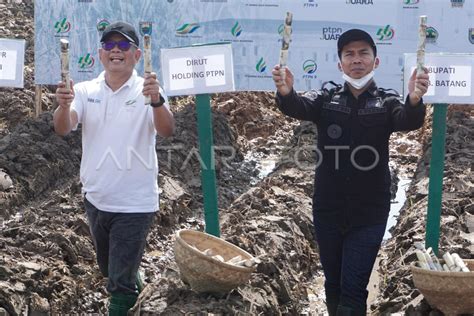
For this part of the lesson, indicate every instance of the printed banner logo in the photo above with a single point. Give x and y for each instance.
(145, 28)
(431, 34)
(62, 26)
(471, 35)
(331, 33)
(261, 66)
(102, 24)
(310, 66)
(236, 30)
(310, 4)
(360, 2)
(457, 3)
(385, 33)
(410, 4)
(281, 28)
(187, 28)
(86, 62)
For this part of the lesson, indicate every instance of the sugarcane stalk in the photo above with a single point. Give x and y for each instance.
(449, 261)
(218, 257)
(420, 52)
(285, 44)
(429, 261)
(235, 259)
(147, 59)
(459, 262)
(208, 252)
(434, 259)
(436, 262)
(422, 259)
(65, 62)
(419, 245)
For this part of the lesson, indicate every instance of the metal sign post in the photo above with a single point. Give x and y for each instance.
(200, 70)
(208, 170)
(435, 190)
(451, 82)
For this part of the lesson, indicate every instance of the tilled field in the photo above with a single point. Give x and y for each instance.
(47, 263)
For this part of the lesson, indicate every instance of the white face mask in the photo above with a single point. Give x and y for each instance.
(358, 83)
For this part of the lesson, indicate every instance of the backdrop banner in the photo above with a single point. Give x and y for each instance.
(254, 27)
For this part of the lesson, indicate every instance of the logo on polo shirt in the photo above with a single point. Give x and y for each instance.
(92, 100)
(130, 105)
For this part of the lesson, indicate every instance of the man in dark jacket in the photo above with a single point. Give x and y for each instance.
(351, 200)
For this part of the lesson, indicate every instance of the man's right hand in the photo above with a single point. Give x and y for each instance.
(284, 84)
(64, 96)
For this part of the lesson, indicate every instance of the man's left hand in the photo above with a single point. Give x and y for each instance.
(151, 87)
(418, 86)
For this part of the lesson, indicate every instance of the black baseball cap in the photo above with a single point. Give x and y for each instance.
(353, 35)
(122, 28)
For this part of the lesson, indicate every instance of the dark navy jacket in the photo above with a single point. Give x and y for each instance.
(352, 182)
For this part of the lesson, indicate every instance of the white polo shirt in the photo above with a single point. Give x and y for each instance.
(119, 167)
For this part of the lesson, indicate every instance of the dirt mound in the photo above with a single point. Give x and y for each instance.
(457, 214)
(272, 221)
(37, 161)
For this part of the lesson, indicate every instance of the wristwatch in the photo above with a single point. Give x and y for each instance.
(159, 103)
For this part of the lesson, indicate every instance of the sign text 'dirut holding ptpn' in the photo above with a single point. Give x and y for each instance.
(197, 69)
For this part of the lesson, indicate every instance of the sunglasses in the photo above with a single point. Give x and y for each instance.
(122, 45)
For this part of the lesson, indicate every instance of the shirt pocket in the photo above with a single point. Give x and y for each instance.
(374, 124)
(335, 123)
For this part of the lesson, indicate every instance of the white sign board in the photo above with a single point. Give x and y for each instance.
(197, 69)
(451, 77)
(12, 58)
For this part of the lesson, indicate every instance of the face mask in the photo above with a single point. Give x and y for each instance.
(358, 83)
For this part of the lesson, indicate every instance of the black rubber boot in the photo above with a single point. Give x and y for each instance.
(139, 282)
(121, 303)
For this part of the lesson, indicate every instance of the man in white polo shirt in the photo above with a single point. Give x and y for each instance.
(119, 166)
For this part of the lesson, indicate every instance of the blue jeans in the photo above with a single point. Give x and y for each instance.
(347, 259)
(119, 241)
